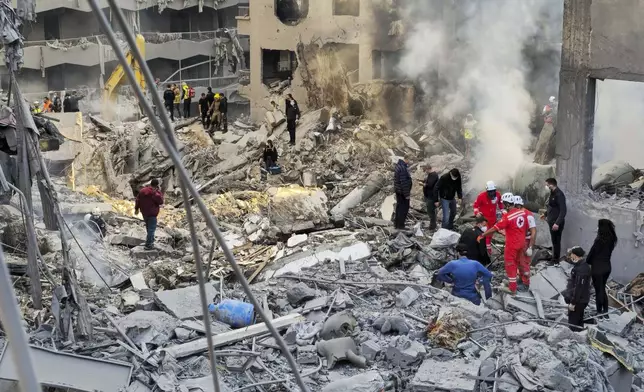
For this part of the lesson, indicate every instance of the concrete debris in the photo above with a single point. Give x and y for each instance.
(387, 324)
(339, 325)
(406, 297)
(403, 352)
(341, 349)
(365, 382)
(617, 324)
(455, 375)
(370, 350)
(300, 293)
(296, 239)
(183, 303)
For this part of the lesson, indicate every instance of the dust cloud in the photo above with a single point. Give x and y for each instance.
(472, 57)
(619, 125)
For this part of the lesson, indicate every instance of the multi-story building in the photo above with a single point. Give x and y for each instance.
(186, 40)
(363, 34)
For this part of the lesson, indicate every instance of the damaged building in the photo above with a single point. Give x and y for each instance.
(327, 53)
(186, 41)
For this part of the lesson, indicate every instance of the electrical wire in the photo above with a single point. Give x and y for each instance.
(167, 139)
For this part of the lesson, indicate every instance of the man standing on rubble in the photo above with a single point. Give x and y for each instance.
(223, 109)
(515, 225)
(168, 100)
(487, 204)
(402, 187)
(428, 192)
(292, 115)
(464, 273)
(187, 94)
(203, 110)
(530, 237)
(577, 293)
(70, 103)
(556, 217)
(149, 201)
(447, 188)
(177, 100)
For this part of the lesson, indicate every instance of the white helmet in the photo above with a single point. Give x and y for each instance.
(518, 200)
(507, 198)
(552, 99)
(490, 186)
(96, 211)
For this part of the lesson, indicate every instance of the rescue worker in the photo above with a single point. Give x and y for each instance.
(46, 106)
(556, 217)
(215, 115)
(292, 115)
(223, 109)
(168, 100)
(177, 100)
(402, 187)
(35, 108)
(487, 204)
(469, 133)
(550, 111)
(464, 273)
(448, 187)
(57, 105)
(203, 109)
(149, 201)
(96, 222)
(476, 250)
(187, 99)
(577, 293)
(530, 237)
(515, 226)
(428, 192)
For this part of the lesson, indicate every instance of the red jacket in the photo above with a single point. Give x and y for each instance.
(148, 201)
(515, 224)
(483, 205)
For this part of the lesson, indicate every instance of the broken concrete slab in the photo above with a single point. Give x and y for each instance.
(365, 382)
(456, 375)
(307, 355)
(227, 151)
(370, 349)
(360, 194)
(296, 239)
(520, 331)
(406, 297)
(184, 303)
(148, 326)
(84, 208)
(542, 287)
(552, 374)
(403, 352)
(556, 276)
(512, 304)
(203, 384)
(387, 207)
(69, 371)
(617, 324)
(299, 293)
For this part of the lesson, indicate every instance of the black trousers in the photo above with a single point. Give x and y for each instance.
(402, 208)
(601, 298)
(555, 236)
(205, 120)
(224, 122)
(186, 107)
(431, 211)
(170, 108)
(290, 126)
(576, 317)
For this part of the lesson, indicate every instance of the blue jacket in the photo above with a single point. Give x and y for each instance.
(402, 179)
(464, 273)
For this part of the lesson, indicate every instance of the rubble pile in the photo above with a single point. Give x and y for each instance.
(354, 299)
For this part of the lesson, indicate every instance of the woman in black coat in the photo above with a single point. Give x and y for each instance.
(599, 260)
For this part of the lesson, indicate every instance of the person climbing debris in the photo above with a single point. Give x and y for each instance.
(464, 274)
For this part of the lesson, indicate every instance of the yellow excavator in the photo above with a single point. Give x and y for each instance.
(118, 75)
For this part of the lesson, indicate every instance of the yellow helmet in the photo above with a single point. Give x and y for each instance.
(217, 96)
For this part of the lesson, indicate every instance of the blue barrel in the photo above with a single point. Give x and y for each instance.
(237, 314)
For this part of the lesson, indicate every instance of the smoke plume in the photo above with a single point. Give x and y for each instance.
(619, 125)
(477, 56)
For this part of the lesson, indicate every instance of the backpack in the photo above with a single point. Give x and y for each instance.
(191, 92)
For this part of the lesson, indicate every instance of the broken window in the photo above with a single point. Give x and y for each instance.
(277, 66)
(51, 24)
(349, 57)
(385, 64)
(346, 7)
(291, 12)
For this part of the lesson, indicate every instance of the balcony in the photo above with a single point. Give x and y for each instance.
(129, 5)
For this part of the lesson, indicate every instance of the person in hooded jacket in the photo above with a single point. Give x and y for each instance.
(577, 293)
(599, 260)
(402, 187)
(447, 188)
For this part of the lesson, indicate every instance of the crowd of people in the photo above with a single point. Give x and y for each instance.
(53, 104)
(506, 215)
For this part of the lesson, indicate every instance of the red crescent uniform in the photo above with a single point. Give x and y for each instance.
(515, 225)
(487, 207)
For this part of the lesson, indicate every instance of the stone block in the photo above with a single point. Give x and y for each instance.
(617, 324)
(182, 334)
(370, 349)
(406, 297)
(300, 293)
(307, 355)
(404, 352)
(456, 375)
(184, 303)
(520, 331)
(146, 304)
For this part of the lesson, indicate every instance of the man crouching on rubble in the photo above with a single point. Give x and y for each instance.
(149, 201)
(464, 274)
(577, 293)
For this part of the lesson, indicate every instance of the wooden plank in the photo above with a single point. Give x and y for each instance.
(226, 338)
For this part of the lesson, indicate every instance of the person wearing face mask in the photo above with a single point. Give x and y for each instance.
(476, 250)
(530, 237)
(556, 217)
(577, 293)
(515, 225)
(486, 205)
(447, 188)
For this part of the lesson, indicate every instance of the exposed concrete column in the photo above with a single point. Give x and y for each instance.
(365, 67)
(575, 118)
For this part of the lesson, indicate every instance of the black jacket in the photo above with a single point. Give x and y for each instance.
(223, 105)
(168, 97)
(556, 207)
(578, 289)
(210, 98)
(270, 153)
(70, 104)
(446, 188)
(430, 183)
(402, 179)
(203, 105)
(475, 250)
(599, 257)
(292, 111)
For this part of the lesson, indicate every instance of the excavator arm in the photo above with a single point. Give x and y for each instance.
(118, 74)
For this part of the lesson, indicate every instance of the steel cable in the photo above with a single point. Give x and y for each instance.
(166, 137)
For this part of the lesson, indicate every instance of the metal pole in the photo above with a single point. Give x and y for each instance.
(209, 70)
(166, 136)
(11, 322)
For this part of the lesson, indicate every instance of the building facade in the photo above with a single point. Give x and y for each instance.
(186, 40)
(361, 33)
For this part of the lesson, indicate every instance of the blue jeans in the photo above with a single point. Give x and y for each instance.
(449, 213)
(151, 227)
